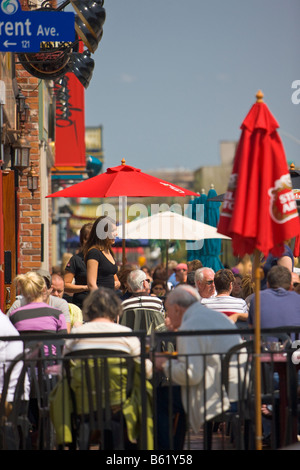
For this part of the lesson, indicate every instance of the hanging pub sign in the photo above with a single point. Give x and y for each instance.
(51, 62)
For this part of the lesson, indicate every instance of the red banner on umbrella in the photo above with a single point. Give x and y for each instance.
(259, 209)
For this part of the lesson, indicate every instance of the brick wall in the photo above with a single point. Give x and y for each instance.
(30, 207)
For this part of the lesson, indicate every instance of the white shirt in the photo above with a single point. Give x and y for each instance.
(206, 373)
(226, 304)
(8, 351)
(125, 344)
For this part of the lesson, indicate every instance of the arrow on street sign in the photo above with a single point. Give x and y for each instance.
(24, 31)
(7, 44)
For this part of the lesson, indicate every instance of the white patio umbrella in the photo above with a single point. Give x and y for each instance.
(170, 226)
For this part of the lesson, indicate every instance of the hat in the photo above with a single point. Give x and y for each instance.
(45, 275)
(181, 266)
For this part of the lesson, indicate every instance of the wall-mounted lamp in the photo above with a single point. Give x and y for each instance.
(82, 65)
(21, 153)
(21, 147)
(32, 180)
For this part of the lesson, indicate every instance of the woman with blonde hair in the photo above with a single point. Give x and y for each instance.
(99, 257)
(36, 315)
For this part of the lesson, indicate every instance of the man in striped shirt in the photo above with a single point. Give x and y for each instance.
(139, 287)
(233, 307)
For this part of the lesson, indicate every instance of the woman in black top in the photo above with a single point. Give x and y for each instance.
(98, 255)
(76, 270)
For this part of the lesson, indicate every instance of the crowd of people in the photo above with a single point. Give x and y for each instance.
(91, 294)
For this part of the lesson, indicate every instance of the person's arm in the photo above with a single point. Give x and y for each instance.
(179, 370)
(117, 282)
(92, 273)
(71, 288)
(62, 325)
(286, 262)
(239, 317)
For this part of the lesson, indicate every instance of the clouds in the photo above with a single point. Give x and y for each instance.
(127, 78)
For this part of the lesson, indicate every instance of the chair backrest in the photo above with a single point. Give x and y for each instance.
(240, 358)
(95, 374)
(10, 420)
(100, 382)
(143, 319)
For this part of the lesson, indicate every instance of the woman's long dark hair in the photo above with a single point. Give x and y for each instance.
(99, 235)
(84, 233)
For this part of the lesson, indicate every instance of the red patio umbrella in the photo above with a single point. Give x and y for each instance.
(259, 210)
(123, 181)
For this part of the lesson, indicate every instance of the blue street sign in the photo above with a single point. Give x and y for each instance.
(24, 31)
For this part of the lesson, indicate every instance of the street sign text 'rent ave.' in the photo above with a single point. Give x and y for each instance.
(24, 31)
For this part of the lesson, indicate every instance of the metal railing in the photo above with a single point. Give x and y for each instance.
(229, 428)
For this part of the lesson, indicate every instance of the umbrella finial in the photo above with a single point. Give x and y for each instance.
(292, 166)
(212, 186)
(202, 191)
(259, 96)
(123, 161)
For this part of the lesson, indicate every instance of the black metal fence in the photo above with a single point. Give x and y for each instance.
(102, 399)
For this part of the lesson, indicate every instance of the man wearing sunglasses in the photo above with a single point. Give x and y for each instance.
(295, 280)
(204, 281)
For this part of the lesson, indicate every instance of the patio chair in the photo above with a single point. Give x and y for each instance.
(242, 420)
(42, 383)
(143, 319)
(100, 381)
(14, 423)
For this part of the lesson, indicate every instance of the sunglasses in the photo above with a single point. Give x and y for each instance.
(209, 283)
(296, 284)
(148, 280)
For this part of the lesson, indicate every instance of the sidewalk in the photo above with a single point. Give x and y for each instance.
(220, 441)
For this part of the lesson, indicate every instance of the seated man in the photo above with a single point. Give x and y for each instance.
(295, 280)
(58, 288)
(279, 306)
(140, 293)
(223, 302)
(205, 282)
(200, 386)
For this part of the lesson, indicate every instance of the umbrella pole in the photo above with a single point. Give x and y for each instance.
(167, 256)
(257, 349)
(122, 210)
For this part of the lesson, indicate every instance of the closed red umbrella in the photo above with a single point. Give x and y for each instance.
(123, 181)
(259, 210)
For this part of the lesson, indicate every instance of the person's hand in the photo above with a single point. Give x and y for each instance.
(160, 362)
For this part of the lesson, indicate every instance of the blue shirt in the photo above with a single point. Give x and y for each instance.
(278, 307)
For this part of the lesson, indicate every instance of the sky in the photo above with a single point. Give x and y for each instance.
(172, 79)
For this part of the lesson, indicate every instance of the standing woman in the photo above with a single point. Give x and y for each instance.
(99, 258)
(75, 270)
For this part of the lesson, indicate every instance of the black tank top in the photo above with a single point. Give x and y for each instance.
(106, 269)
